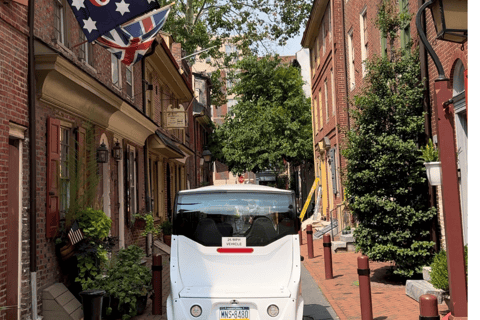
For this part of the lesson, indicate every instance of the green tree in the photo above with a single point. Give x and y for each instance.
(271, 121)
(385, 180)
(246, 23)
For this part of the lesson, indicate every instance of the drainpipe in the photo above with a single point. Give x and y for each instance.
(148, 203)
(435, 232)
(33, 158)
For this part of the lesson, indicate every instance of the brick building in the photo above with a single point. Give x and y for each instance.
(79, 88)
(341, 35)
(15, 165)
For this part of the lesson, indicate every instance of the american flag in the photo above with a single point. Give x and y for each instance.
(75, 234)
(130, 42)
(96, 17)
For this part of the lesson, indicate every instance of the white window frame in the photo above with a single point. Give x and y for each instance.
(127, 70)
(333, 92)
(325, 84)
(60, 32)
(351, 60)
(364, 39)
(115, 64)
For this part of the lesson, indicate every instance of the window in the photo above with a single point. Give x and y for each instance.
(132, 174)
(364, 40)
(115, 71)
(320, 109)
(315, 119)
(326, 28)
(326, 97)
(230, 104)
(333, 92)
(404, 32)
(60, 23)
(64, 172)
(86, 51)
(149, 94)
(383, 44)
(231, 49)
(209, 59)
(351, 60)
(129, 80)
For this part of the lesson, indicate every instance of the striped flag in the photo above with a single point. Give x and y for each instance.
(75, 234)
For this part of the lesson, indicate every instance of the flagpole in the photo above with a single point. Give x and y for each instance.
(79, 44)
(195, 53)
(147, 14)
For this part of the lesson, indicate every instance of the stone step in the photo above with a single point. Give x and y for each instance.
(426, 273)
(347, 237)
(416, 288)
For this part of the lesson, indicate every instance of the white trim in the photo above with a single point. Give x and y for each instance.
(362, 41)
(17, 131)
(107, 203)
(20, 231)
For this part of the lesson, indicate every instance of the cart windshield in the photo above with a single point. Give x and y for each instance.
(260, 217)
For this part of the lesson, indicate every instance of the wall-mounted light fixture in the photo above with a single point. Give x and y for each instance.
(148, 86)
(451, 20)
(207, 155)
(117, 151)
(102, 153)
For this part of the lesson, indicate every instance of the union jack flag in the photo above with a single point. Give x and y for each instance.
(130, 42)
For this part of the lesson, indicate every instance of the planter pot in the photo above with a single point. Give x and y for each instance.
(346, 231)
(67, 251)
(141, 304)
(167, 238)
(434, 173)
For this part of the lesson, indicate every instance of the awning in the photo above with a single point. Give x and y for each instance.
(186, 151)
(166, 146)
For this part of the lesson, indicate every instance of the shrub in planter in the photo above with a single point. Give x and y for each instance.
(439, 273)
(126, 282)
(148, 224)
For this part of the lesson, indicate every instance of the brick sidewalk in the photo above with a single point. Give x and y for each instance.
(389, 301)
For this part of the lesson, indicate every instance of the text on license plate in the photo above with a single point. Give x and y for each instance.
(237, 313)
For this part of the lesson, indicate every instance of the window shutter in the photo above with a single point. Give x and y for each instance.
(333, 169)
(53, 163)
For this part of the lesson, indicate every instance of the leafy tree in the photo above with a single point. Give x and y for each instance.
(246, 23)
(271, 122)
(385, 179)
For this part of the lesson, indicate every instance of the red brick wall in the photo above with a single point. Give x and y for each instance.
(13, 109)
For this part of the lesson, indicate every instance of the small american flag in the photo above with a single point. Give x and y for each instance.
(75, 234)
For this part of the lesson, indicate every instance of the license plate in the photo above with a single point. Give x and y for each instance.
(235, 313)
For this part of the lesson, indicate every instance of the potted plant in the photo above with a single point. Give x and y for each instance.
(148, 224)
(439, 273)
(347, 230)
(126, 282)
(433, 166)
(166, 227)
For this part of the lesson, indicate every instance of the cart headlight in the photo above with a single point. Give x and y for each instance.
(272, 310)
(196, 311)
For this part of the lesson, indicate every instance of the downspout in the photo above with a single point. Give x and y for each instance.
(346, 65)
(148, 203)
(33, 158)
(435, 232)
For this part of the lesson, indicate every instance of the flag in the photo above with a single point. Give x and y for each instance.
(75, 234)
(129, 42)
(97, 17)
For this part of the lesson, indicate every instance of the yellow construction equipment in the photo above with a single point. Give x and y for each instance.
(307, 203)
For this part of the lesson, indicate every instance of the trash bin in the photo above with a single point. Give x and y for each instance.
(92, 304)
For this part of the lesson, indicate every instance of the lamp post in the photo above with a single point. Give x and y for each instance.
(450, 20)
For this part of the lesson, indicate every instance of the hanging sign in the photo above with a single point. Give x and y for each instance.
(176, 117)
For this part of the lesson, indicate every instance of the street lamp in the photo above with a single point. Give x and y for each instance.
(450, 20)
